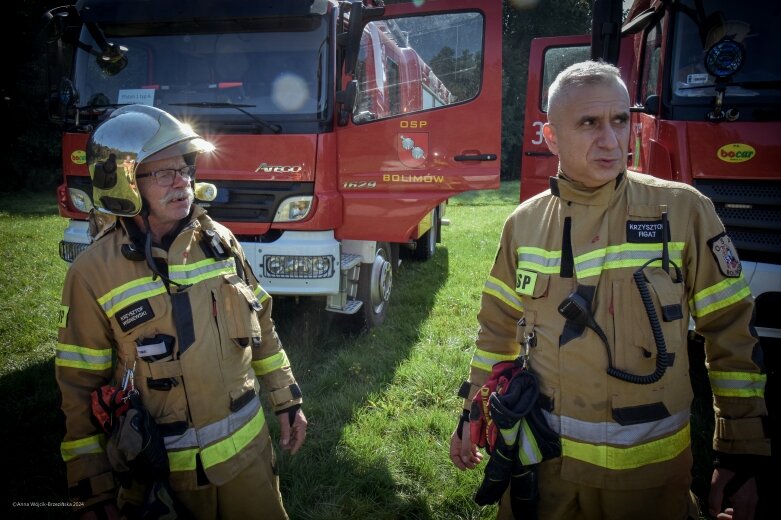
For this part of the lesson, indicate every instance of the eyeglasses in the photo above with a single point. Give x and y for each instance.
(166, 177)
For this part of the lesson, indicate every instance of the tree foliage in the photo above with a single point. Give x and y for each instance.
(523, 21)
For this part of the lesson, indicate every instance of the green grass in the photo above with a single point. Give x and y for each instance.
(381, 404)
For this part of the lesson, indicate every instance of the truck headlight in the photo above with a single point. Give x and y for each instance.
(296, 266)
(293, 209)
(80, 200)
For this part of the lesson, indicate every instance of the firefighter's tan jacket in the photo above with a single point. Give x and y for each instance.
(224, 342)
(616, 434)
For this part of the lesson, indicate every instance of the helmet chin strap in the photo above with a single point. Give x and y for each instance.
(150, 261)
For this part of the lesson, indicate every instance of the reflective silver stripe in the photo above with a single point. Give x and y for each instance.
(497, 288)
(129, 293)
(721, 295)
(199, 271)
(737, 384)
(261, 294)
(82, 357)
(72, 449)
(485, 360)
(510, 434)
(614, 433)
(623, 256)
(215, 431)
(539, 261)
(219, 430)
(186, 440)
(528, 449)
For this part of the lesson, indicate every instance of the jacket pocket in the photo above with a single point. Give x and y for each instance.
(238, 310)
(645, 314)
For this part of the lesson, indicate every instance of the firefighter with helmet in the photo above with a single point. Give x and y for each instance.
(165, 338)
(598, 301)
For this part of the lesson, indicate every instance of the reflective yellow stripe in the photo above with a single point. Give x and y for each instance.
(485, 360)
(183, 460)
(615, 458)
(72, 449)
(261, 294)
(528, 449)
(737, 384)
(540, 260)
(74, 356)
(190, 274)
(129, 293)
(498, 289)
(623, 256)
(271, 363)
(718, 296)
(230, 446)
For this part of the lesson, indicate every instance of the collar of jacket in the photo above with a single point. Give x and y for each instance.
(135, 233)
(572, 191)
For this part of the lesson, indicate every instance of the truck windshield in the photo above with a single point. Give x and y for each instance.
(278, 75)
(756, 80)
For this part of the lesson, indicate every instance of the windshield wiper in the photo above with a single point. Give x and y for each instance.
(206, 104)
(755, 85)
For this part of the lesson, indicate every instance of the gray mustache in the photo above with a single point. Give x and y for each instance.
(178, 194)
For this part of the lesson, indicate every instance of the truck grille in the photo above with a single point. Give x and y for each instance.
(252, 201)
(756, 228)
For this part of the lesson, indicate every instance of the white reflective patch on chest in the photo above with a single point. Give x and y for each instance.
(154, 349)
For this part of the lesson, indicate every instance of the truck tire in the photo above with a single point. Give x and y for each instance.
(426, 246)
(374, 289)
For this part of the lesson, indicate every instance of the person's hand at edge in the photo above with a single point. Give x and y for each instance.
(464, 454)
(292, 428)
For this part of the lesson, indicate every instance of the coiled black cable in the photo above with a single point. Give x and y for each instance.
(662, 357)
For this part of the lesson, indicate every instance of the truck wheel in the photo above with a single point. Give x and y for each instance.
(374, 289)
(426, 245)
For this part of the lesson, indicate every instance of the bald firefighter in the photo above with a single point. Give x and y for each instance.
(165, 339)
(599, 277)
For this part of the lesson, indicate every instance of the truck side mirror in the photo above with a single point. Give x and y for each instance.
(55, 22)
(346, 100)
(652, 104)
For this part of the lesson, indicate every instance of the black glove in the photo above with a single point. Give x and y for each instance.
(151, 463)
(497, 473)
(136, 449)
(524, 491)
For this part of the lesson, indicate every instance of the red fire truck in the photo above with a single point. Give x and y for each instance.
(705, 82)
(341, 127)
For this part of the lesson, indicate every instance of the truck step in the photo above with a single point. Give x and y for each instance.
(351, 307)
(349, 261)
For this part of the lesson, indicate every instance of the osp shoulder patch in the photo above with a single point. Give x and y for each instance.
(62, 317)
(134, 315)
(645, 231)
(726, 256)
(525, 281)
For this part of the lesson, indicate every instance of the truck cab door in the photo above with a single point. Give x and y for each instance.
(426, 124)
(547, 57)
